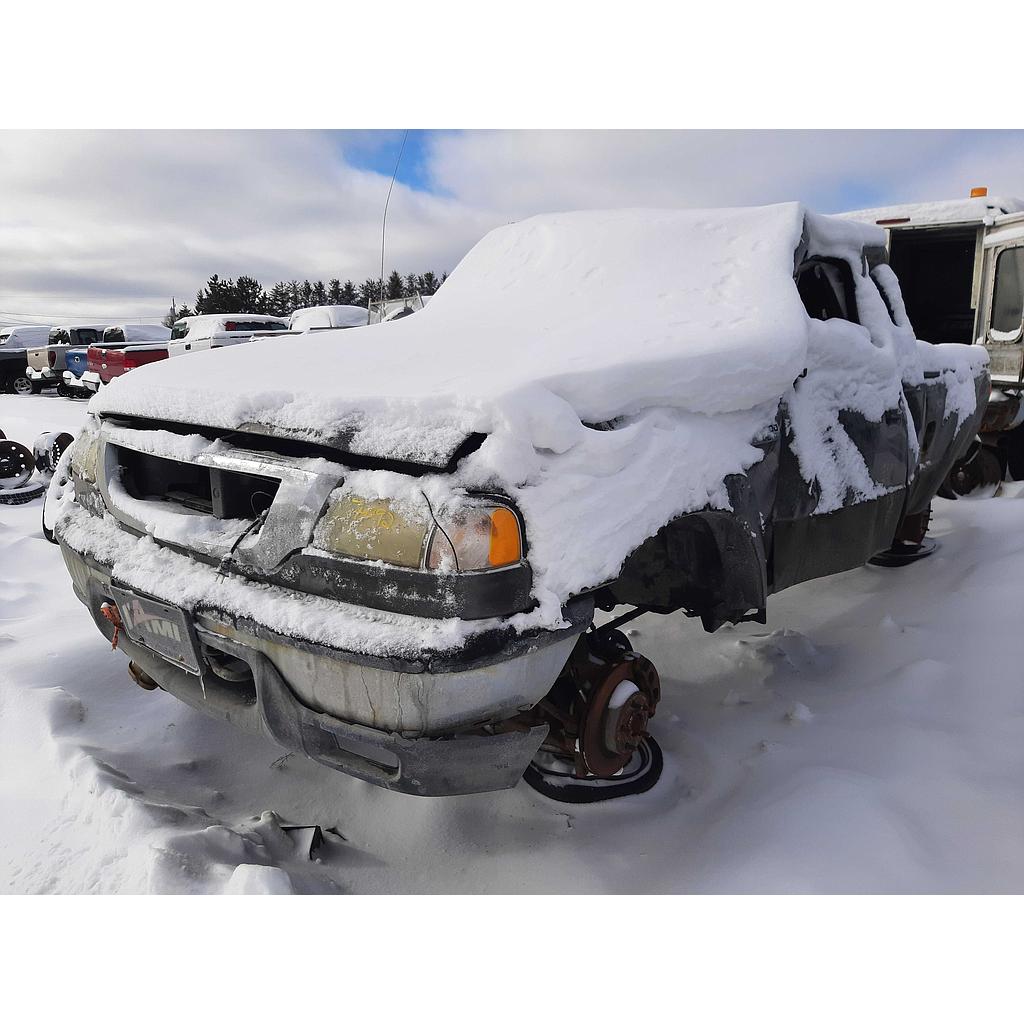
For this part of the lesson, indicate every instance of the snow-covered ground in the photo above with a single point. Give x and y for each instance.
(870, 738)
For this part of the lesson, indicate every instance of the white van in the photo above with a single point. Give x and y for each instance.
(23, 336)
(218, 330)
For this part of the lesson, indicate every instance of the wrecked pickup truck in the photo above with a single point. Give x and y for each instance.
(396, 570)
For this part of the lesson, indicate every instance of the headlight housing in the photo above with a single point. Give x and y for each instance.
(474, 538)
(470, 535)
(85, 455)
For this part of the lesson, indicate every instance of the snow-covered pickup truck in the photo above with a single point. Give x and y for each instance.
(395, 570)
(220, 330)
(123, 347)
(46, 362)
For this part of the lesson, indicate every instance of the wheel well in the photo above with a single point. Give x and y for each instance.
(710, 564)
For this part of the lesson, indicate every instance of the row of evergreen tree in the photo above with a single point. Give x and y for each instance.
(246, 294)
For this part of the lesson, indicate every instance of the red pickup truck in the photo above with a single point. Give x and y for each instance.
(122, 349)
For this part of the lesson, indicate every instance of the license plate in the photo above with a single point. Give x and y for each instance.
(162, 628)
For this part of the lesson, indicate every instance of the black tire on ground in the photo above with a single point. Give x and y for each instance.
(636, 778)
(47, 533)
(982, 467)
(22, 496)
(21, 385)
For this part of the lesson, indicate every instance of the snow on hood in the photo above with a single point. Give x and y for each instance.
(560, 318)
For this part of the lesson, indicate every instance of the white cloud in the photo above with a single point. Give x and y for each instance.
(120, 221)
(522, 172)
(124, 220)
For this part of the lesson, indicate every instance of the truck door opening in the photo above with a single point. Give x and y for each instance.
(935, 267)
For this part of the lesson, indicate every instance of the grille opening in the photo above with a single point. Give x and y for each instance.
(214, 492)
(282, 443)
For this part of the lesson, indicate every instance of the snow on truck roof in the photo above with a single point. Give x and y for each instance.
(328, 316)
(142, 332)
(556, 319)
(977, 210)
(212, 319)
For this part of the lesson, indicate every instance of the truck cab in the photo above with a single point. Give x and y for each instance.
(960, 265)
(220, 330)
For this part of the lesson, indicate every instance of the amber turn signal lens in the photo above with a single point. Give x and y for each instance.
(506, 546)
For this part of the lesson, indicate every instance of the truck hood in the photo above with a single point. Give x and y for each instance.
(546, 325)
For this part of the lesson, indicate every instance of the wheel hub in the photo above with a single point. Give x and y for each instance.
(599, 709)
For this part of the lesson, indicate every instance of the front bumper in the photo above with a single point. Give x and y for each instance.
(74, 384)
(426, 729)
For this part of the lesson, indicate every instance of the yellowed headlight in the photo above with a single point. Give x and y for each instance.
(374, 529)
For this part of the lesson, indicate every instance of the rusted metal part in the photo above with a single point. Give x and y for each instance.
(999, 415)
(141, 677)
(113, 616)
(981, 467)
(912, 529)
(599, 708)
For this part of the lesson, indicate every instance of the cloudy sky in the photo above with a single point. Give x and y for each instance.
(96, 225)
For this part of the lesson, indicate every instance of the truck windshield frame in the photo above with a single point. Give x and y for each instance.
(1007, 317)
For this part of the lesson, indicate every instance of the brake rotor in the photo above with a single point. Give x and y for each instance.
(615, 714)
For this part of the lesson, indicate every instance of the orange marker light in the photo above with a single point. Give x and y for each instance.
(506, 546)
(978, 193)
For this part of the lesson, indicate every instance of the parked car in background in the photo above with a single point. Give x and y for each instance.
(960, 263)
(23, 336)
(14, 371)
(122, 348)
(322, 318)
(46, 362)
(219, 330)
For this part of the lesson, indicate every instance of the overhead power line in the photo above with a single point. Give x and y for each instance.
(56, 318)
